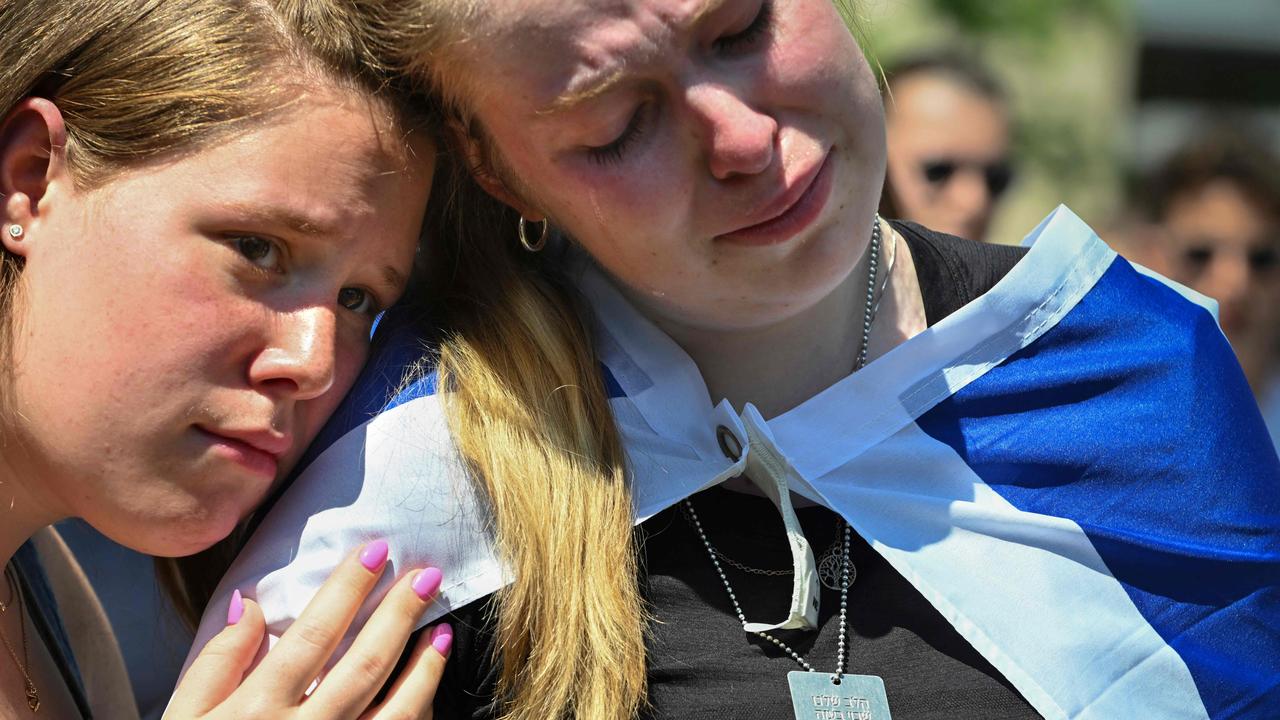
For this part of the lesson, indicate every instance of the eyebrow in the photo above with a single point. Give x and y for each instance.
(394, 280)
(294, 221)
(597, 87)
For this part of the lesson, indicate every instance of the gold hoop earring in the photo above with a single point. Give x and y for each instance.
(535, 245)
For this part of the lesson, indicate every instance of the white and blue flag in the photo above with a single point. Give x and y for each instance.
(1071, 469)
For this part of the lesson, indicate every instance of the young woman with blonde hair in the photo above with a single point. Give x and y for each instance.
(187, 289)
(873, 467)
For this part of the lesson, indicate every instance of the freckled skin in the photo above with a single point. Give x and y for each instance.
(169, 326)
(724, 134)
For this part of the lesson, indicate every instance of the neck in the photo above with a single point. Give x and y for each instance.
(22, 512)
(779, 366)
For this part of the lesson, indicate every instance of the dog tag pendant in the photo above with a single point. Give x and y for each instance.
(857, 697)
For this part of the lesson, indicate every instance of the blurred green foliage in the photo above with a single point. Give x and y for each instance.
(1030, 20)
(1066, 64)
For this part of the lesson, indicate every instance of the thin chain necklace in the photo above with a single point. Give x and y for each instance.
(15, 598)
(861, 696)
(742, 618)
(829, 561)
(828, 564)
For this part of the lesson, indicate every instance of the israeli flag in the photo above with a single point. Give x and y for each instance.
(1071, 469)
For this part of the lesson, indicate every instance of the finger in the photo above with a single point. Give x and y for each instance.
(220, 667)
(295, 661)
(413, 692)
(354, 681)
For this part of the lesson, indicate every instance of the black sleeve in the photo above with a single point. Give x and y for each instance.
(953, 271)
(466, 690)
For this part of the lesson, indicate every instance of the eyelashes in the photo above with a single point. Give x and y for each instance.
(267, 257)
(614, 151)
(738, 42)
(750, 34)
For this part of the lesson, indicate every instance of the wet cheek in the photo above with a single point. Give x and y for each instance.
(643, 197)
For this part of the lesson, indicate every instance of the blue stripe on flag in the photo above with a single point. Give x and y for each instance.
(611, 385)
(398, 344)
(1132, 418)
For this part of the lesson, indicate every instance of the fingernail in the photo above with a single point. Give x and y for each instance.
(374, 555)
(442, 638)
(236, 609)
(427, 582)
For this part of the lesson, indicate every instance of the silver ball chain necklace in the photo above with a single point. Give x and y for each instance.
(816, 695)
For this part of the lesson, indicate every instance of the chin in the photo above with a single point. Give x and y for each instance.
(188, 535)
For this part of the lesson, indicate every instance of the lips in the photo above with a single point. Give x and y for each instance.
(257, 450)
(792, 210)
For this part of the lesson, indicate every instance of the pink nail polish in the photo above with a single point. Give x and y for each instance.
(236, 609)
(442, 638)
(427, 582)
(374, 555)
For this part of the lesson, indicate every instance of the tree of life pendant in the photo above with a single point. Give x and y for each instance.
(829, 569)
(858, 697)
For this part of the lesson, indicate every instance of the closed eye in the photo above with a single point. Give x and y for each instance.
(746, 37)
(614, 151)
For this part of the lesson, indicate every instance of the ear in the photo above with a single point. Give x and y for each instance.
(33, 146)
(483, 172)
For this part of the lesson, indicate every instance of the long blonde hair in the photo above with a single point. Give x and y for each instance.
(530, 415)
(142, 80)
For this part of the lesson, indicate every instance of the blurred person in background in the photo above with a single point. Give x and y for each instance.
(1216, 205)
(948, 130)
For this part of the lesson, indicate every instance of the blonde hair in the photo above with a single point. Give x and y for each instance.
(144, 80)
(530, 415)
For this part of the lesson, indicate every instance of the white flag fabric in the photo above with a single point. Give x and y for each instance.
(1070, 468)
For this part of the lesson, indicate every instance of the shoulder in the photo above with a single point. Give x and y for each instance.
(953, 271)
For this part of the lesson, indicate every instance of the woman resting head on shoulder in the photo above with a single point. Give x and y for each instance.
(1022, 453)
(205, 205)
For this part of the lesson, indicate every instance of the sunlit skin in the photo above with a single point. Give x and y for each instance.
(931, 118)
(1210, 234)
(660, 134)
(186, 328)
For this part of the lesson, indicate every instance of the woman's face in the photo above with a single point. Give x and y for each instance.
(721, 158)
(187, 327)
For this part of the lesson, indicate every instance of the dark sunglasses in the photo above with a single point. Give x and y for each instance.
(1260, 258)
(997, 175)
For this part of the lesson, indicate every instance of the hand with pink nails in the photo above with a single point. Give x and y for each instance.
(223, 681)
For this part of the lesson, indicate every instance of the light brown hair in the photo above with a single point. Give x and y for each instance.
(139, 81)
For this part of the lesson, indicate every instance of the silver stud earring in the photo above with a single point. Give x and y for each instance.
(15, 231)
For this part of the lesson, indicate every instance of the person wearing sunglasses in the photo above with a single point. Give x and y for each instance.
(1216, 204)
(948, 132)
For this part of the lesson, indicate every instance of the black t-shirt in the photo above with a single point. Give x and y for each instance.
(702, 664)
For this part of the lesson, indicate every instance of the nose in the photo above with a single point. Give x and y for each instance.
(1228, 278)
(740, 139)
(298, 360)
(968, 193)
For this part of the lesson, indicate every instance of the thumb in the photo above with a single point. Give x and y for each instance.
(220, 667)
